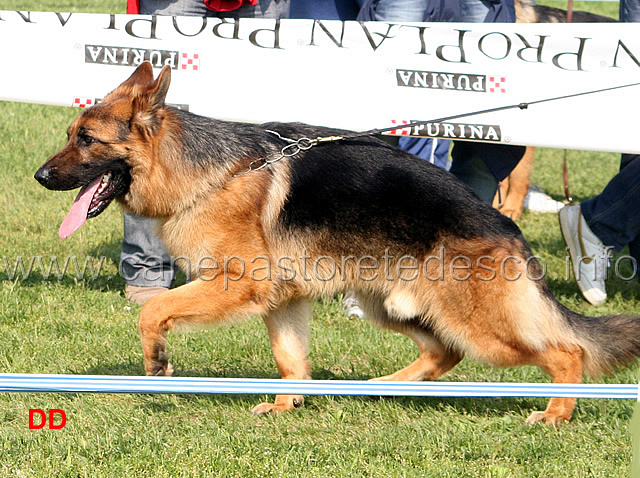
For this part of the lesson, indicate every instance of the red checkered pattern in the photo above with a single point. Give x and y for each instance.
(190, 61)
(400, 131)
(496, 84)
(82, 102)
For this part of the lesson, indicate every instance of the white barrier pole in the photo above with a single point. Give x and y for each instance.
(197, 385)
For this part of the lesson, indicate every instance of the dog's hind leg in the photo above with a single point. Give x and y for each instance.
(197, 303)
(435, 359)
(288, 328)
(565, 366)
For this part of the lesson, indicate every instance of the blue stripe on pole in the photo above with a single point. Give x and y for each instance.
(199, 385)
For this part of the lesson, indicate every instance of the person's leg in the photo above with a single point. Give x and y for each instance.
(487, 11)
(474, 172)
(475, 11)
(614, 214)
(634, 244)
(610, 215)
(400, 10)
(610, 220)
(630, 10)
(145, 263)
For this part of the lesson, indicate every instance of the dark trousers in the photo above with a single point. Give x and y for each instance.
(614, 214)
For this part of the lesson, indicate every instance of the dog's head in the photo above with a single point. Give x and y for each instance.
(98, 154)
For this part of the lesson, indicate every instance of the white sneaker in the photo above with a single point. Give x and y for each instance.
(351, 306)
(590, 257)
(141, 294)
(537, 201)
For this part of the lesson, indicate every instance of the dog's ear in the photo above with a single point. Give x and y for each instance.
(139, 81)
(158, 92)
(149, 101)
(141, 77)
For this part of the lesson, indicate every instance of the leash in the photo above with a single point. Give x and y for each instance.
(565, 178)
(565, 167)
(295, 146)
(570, 11)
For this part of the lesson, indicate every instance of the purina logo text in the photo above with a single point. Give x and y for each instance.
(451, 81)
(127, 56)
(480, 132)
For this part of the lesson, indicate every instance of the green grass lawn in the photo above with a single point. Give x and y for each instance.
(85, 326)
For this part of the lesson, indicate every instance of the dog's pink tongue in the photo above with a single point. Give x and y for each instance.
(78, 213)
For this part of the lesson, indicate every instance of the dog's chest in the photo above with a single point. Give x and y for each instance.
(210, 234)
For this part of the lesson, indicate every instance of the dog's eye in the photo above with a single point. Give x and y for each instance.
(87, 140)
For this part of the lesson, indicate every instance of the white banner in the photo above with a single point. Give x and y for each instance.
(346, 74)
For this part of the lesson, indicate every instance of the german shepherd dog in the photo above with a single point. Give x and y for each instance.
(425, 256)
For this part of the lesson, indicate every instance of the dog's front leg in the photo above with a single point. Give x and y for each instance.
(200, 302)
(288, 328)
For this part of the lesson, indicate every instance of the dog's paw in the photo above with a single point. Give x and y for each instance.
(161, 370)
(279, 406)
(547, 418)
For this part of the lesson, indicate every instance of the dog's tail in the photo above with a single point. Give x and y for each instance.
(607, 342)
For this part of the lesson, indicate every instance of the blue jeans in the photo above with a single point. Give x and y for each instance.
(475, 11)
(400, 10)
(416, 10)
(630, 10)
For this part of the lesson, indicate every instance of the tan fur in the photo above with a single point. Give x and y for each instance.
(525, 11)
(509, 200)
